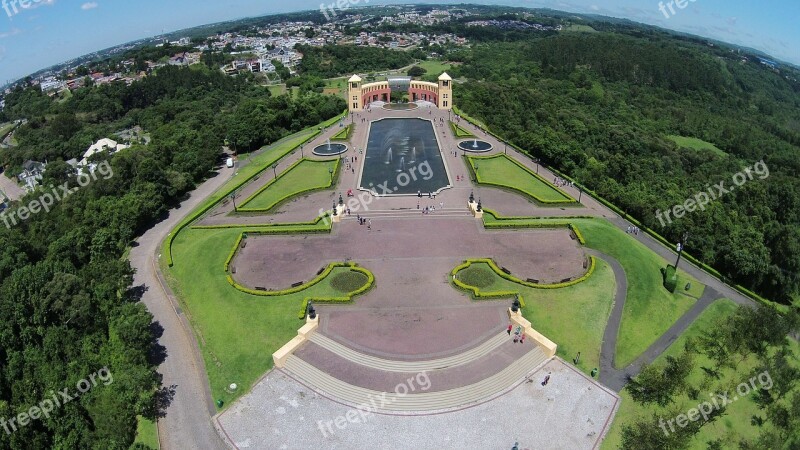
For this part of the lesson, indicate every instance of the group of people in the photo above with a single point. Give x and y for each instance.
(633, 229)
(558, 181)
(362, 220)
(519, 335)
(430, 209)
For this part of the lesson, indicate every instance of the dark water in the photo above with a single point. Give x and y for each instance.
(403, 157)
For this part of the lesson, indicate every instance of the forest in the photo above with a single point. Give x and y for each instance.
(603, 108)
(67, 305)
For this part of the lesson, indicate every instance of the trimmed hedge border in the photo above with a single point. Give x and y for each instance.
(348, 298)
(206, 208)
(336, 170)
(703, 266)
(305, 286)
(513, 279)
(568, 200)
(348, 132)
(571, 226)
(266, 226)
(459, 132)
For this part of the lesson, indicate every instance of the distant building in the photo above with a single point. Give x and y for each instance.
(103, 145)
(31, 174)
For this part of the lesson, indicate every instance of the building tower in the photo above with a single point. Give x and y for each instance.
(445, 100)
(355, 99)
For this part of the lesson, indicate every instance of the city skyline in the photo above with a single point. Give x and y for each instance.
(49, 32)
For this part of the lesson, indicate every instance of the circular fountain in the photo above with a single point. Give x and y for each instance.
(475, 146)
(328, 149)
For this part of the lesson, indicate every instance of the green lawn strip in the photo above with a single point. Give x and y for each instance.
(649, 308)
(696, 144)
(505, 172)
(258, 164)
(344, 134)
(460, 132)
(731, 427)
(434, 66)
(6, 128)
(304, 176)
(573, 317)
(237, 332)
(146, 433)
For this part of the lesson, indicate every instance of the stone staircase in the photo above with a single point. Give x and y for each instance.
(411, 213)
(417, 401)
(408, 366)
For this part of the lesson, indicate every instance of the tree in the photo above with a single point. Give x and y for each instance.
(417, 71)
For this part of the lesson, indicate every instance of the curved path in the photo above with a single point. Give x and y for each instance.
(614, 378)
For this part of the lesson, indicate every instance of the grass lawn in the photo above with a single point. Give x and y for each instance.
(277, 89)
(732, 426)
(696, 144)
(573, 317)
(579, 28)
(305, 176)
(146, 433)
(344, 134)
(435, 66)
(649, 308)
(502, 170)
(6, 128)
(237, 332)
(460, 132)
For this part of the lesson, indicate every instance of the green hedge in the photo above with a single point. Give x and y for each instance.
(459, 132)
(499, 224)
(344, 134)
(490, 262)
(304, 286)
(266, 226)
(198, 213)
(334, 179)
(568, 200)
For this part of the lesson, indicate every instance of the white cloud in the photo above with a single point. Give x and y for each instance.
(595, 8)
(12, 32)
(89, 5)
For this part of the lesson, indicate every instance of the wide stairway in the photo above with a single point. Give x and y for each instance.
(415, 213)
(458, 381)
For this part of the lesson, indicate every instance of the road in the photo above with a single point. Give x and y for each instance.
(188, 420)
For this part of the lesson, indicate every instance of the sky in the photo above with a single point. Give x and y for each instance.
(47, 32)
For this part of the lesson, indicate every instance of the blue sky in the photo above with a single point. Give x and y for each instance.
(51, 31)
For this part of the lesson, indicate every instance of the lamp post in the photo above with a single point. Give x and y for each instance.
(476, 172)
(301, 151)
(330, 172)
(536, 160)
(275, 170)
(680, 248)
(233, 199)
(580, 194)
(505, 147)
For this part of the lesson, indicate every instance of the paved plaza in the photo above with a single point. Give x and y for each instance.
(571, 412)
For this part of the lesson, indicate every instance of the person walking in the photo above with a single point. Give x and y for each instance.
(510, 326)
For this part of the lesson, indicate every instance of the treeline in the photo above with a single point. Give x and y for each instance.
(67, 307)
(336, 60)
(600, 107)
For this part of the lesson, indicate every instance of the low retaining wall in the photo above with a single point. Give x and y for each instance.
(549, 347)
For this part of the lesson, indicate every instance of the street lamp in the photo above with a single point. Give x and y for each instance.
(580, 194)
(301, 151)
(505, 147)
(233, 199)
(274, 170)
(330, 172)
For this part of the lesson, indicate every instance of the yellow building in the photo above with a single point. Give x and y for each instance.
(359, 95)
